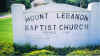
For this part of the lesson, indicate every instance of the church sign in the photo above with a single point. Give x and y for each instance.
(58, 25)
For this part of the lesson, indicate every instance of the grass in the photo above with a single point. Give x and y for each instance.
(6, 34)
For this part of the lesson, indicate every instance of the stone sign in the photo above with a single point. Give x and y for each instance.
(58, 25)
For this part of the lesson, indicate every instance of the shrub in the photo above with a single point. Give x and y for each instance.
(95, 52)
(84, 52)
(60, 51)
(20, 49)
(6, 49)
(40, 53)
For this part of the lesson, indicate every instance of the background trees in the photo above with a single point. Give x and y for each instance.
(79, 3)
(27, 3)
(5, 4)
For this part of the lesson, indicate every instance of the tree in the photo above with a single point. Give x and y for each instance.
(59, 1)
(73, 2)
(3, 5)
(79, 3)
(93, 0)
(27, 3)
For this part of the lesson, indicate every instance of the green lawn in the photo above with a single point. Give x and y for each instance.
(6, 29)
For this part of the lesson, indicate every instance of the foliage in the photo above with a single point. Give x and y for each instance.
(83, 3)
(60, 51)
(95, 52)
(6, 49)
(59, 1)
(20, 49)
(80, 53)
(73, 1)
(79, 3)
(6, 4)
(3, 5)
(93, 1)
(27, 3)
(84, 52)
(40, 53)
